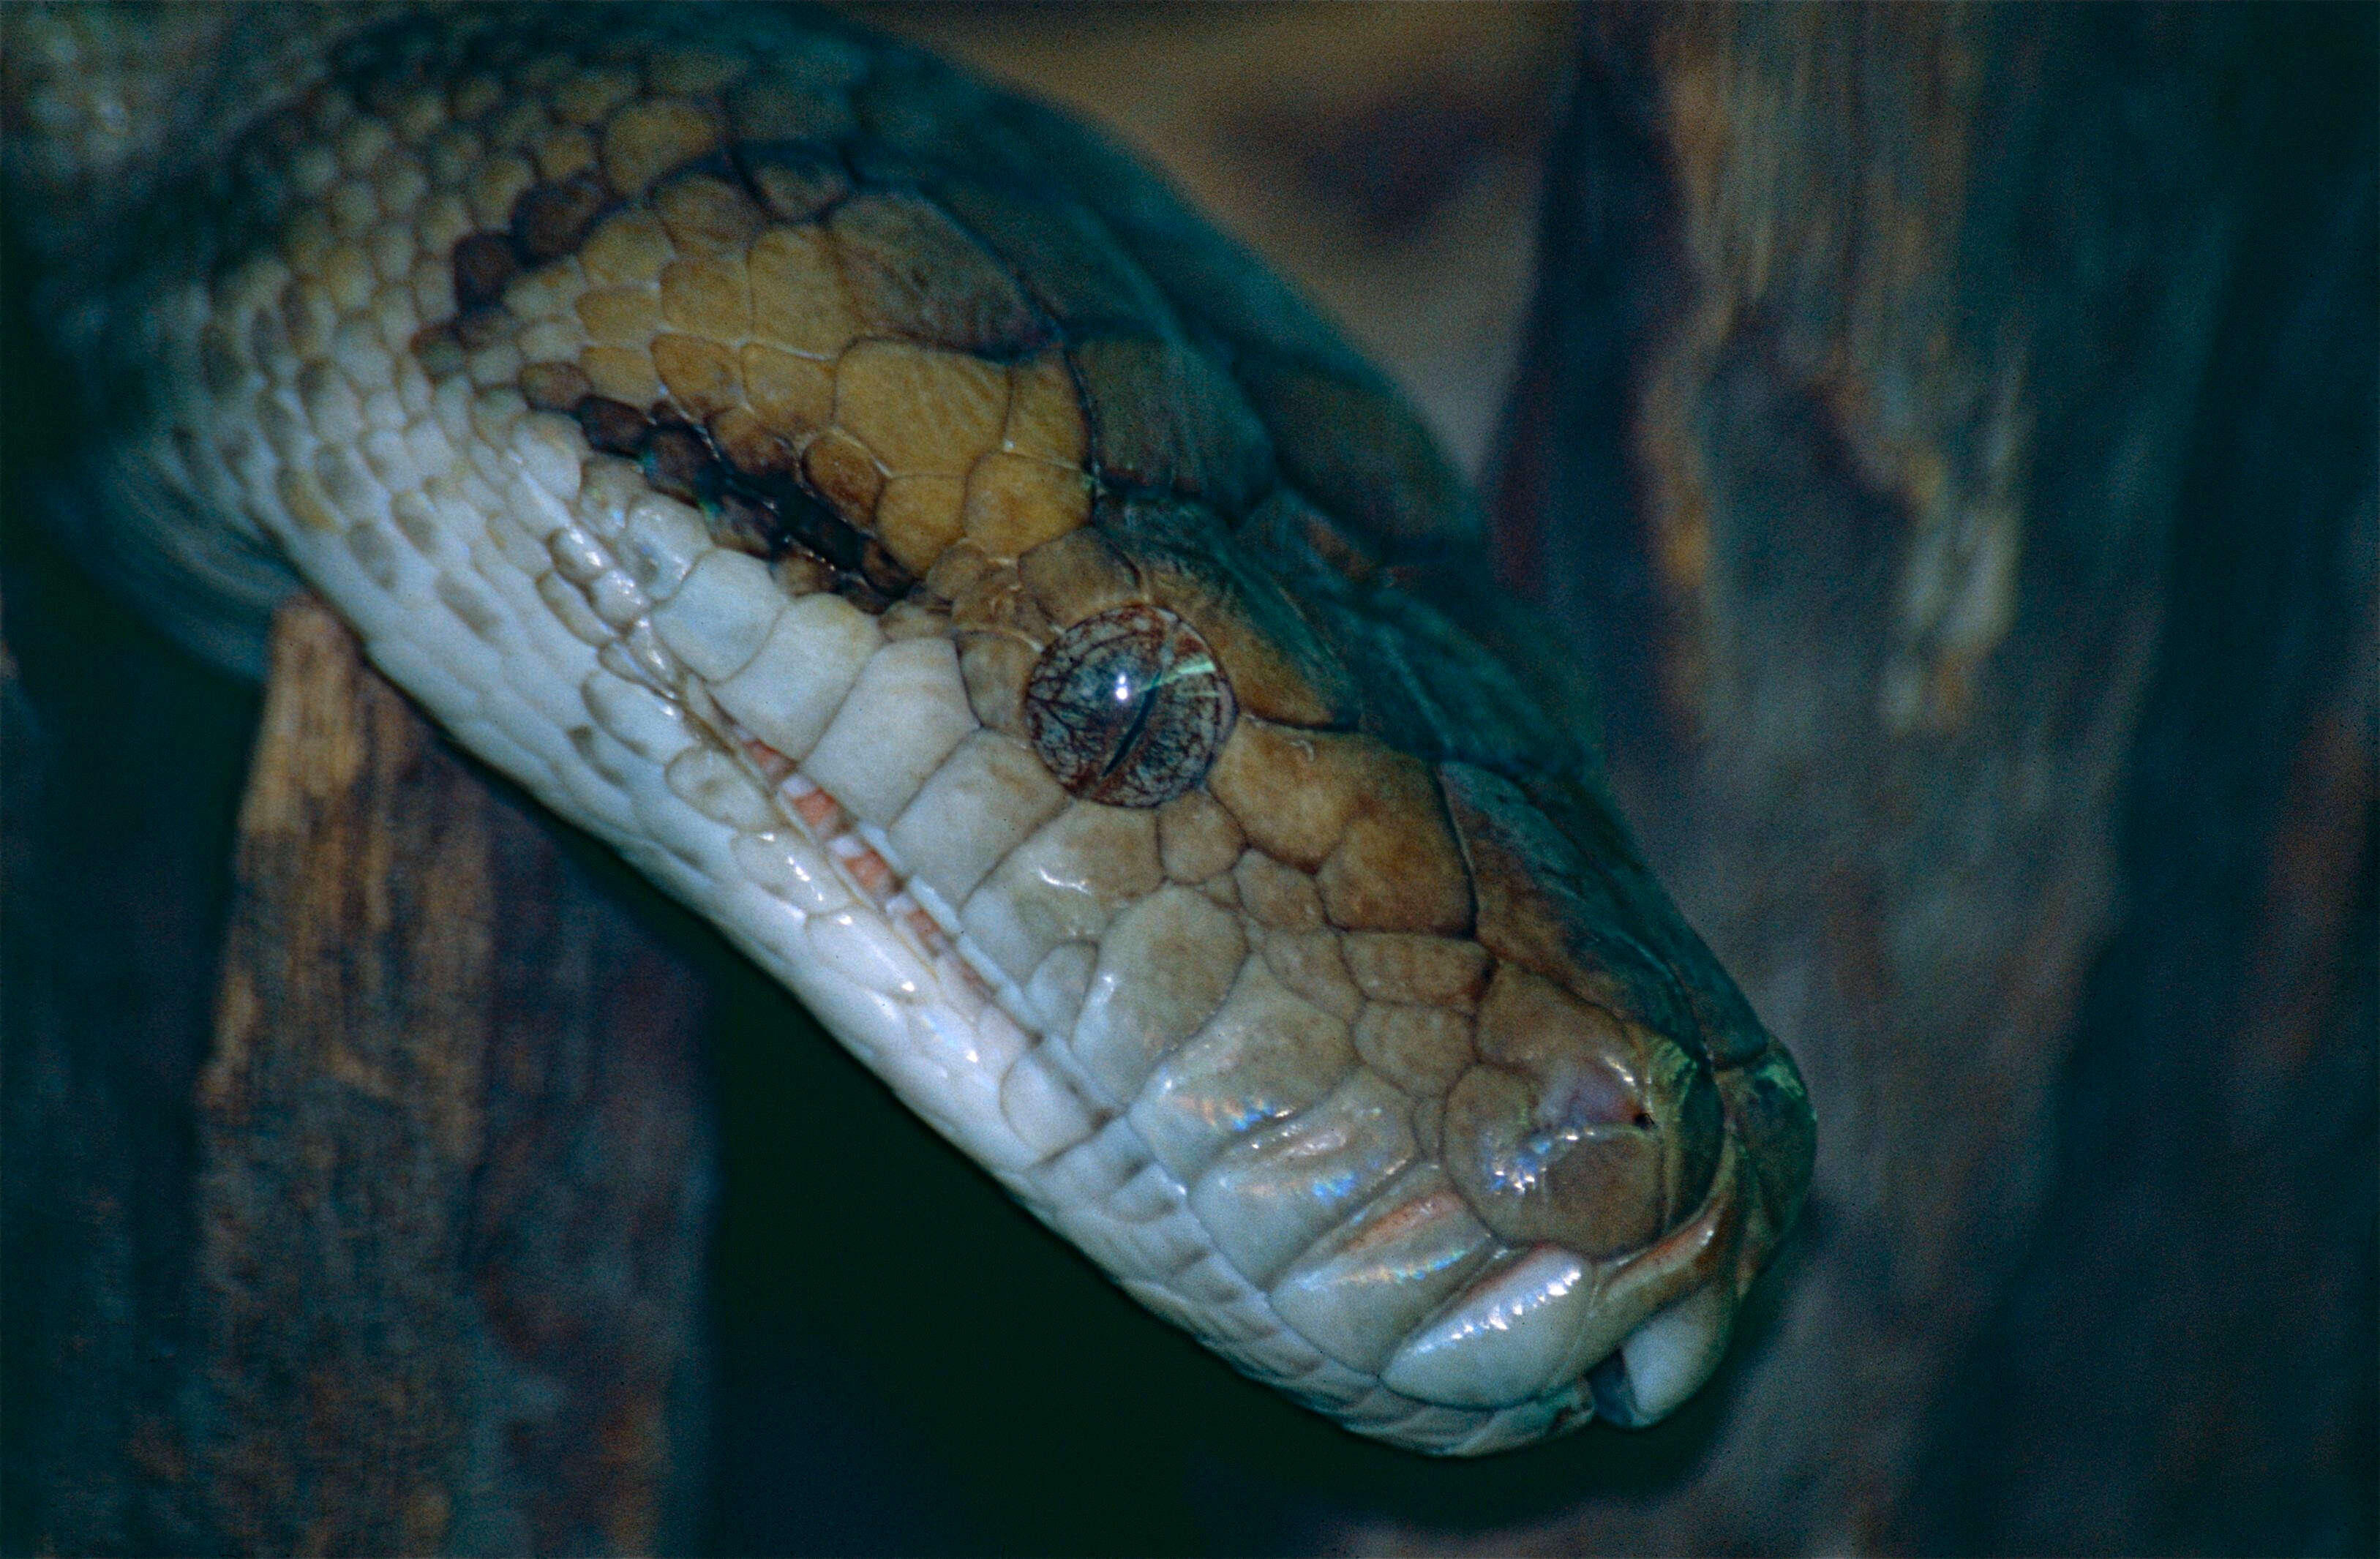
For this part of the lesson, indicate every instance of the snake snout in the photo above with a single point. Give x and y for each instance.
(1627, 1129)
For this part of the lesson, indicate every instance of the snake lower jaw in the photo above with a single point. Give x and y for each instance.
(1633, 1335)
(1663, 1361)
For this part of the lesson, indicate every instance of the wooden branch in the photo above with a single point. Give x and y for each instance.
(442, 1290)
(1949, 434)
(455, 1154)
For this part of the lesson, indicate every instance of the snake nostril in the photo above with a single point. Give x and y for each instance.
(1551, 1134)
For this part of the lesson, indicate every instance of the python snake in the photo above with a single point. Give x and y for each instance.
(894, 521)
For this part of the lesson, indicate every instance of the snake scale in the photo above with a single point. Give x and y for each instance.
(894, 521)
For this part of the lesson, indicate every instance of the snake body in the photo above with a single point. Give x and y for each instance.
(897, 525)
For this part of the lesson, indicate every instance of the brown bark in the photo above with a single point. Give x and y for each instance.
(1901, 437)
(451, 1180)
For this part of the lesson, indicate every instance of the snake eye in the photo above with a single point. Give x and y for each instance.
(1129, 707)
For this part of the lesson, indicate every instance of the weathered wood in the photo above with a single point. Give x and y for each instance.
(455, 1188)
(1890, 329)
(449, 1185)
(340, 1121)
(1949, 433)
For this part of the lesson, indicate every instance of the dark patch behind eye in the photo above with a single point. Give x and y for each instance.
(551, 219)
(769, 514)
(613, 427)
(484, 263)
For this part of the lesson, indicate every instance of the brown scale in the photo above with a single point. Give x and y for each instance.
(555, 386)
(551, 219)
(484, 265)
(794, 181)
(679, 461)
(768, 510)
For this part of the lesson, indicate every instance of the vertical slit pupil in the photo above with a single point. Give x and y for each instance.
(1128, 707)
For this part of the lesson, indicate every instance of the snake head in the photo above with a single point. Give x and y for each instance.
(1465, 1097)
(921, 545)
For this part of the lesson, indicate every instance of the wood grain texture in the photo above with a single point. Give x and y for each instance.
(1900, 440)
(438, 1281)
(454, 1186)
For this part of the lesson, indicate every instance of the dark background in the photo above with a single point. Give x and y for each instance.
(2076, 943)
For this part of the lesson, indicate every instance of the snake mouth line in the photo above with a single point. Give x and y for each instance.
(871, 865)
(863, 857)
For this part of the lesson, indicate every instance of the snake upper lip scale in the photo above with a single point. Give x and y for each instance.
(894, 520)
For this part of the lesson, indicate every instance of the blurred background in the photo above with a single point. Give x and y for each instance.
(1949, 437)
(1386, 157)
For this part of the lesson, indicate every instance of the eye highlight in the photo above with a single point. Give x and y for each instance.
(1129, 707)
